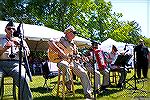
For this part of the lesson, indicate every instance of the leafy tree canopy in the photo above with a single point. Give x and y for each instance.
(94, 19)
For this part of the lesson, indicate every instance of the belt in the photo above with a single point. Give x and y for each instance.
(8, 60)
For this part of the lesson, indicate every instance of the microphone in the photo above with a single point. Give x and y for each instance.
(125, 47)
(18, 32)
(95, 42)
(126, 51)
(76, 33)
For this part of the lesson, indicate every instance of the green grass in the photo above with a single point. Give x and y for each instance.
(40, 93)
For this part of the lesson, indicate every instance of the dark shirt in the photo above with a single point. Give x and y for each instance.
(141, 52)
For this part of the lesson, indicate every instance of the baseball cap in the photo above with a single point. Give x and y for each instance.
(10, 24)
(69, 28)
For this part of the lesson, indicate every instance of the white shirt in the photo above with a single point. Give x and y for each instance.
(14, 49)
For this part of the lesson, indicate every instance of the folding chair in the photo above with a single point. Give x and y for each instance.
(114, 75)
(2, 83)
(47, 74)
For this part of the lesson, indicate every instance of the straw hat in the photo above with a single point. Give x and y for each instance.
(69, 28)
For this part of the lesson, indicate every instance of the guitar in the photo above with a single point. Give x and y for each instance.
(55, 57)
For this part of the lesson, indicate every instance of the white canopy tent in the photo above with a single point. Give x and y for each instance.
(37, 36)
(107, 46)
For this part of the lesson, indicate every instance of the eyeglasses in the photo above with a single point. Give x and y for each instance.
(10, 29)
(74, 32)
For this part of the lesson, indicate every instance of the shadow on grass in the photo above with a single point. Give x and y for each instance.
(79, 91)
(75, 98)
(77, 83)
(108, 92)
(47, 98)
(68, 96)
(57, 98)
(42, 90)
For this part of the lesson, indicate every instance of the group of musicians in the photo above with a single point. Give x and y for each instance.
(65, 53)
(60, 52)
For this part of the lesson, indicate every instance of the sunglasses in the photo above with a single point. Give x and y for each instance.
(10, 28)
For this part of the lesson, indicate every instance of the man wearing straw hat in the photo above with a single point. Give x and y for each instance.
(69, 48)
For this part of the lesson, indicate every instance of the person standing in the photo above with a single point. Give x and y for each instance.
(9, 61)
(141, 53)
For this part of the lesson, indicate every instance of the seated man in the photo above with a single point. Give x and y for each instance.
(101, 65)
(9, 61)
(66, 48)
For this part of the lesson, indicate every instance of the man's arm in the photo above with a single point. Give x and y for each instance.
(3, 49)
(53, 46)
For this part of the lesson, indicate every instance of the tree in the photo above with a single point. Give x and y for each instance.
(126, 32)
(94, 19)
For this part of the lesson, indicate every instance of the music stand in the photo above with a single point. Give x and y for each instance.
(22, 51)
(134, 87)
(122, 61)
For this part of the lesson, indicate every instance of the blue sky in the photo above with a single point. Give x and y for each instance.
(138, 10)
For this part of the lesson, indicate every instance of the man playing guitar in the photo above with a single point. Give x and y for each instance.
(60, 51)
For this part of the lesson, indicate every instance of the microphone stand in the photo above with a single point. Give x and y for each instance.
(94, 71)
(21, 60)
(93, 42)
(20, 63)
(93, 50)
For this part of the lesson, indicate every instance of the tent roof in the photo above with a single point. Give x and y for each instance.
(109, 41)
(34, 32)
(37, 36)
(107, 45)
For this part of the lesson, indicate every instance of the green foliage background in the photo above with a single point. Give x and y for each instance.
(94, 19)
